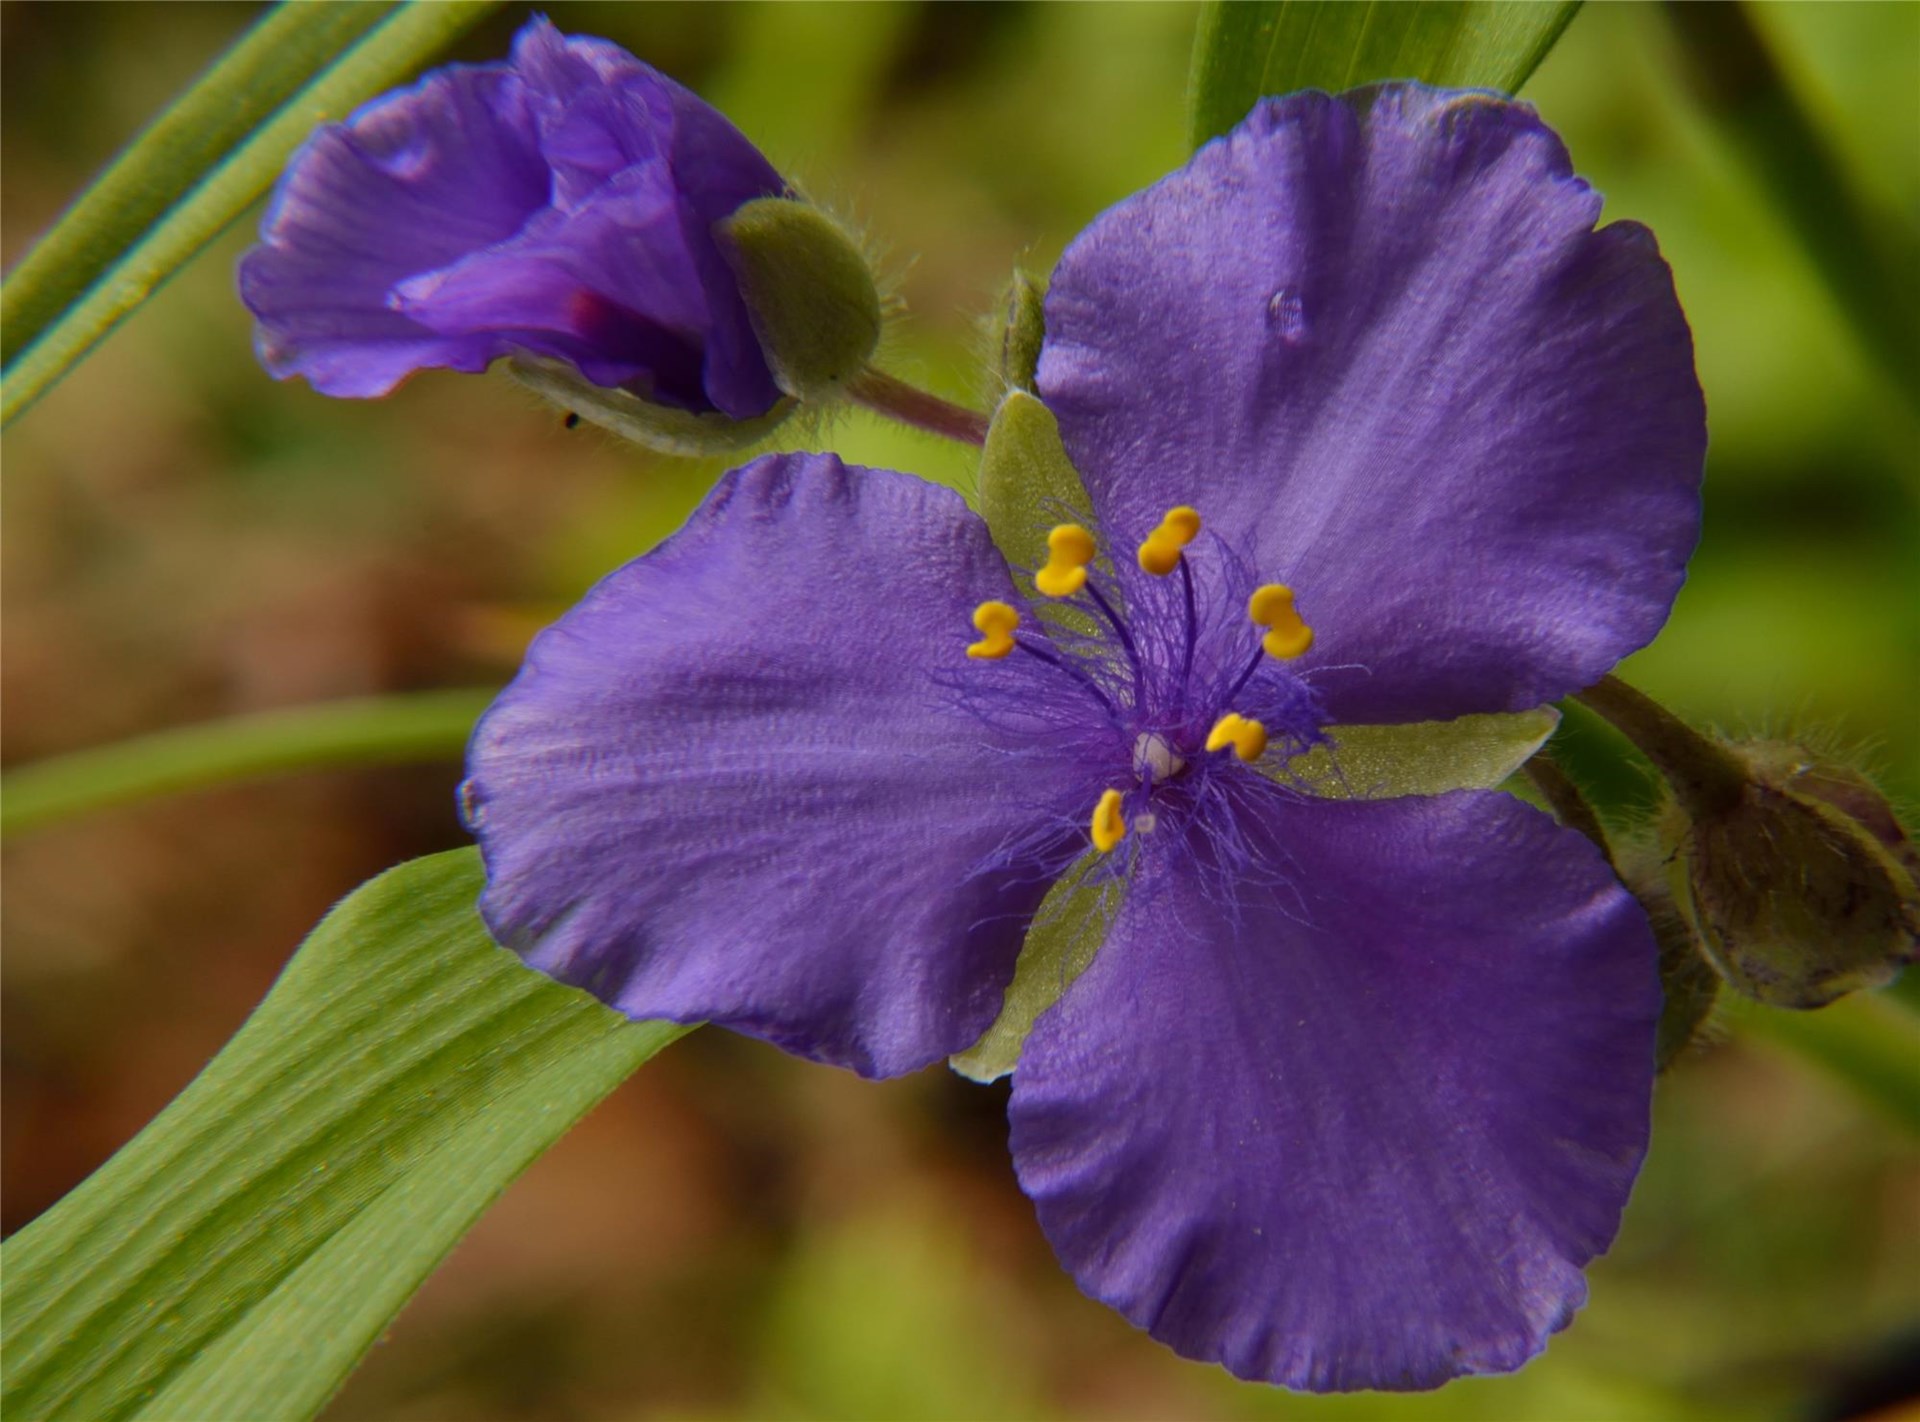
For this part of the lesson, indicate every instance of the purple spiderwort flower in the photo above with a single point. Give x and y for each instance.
(1353, 1088)
(561, 205)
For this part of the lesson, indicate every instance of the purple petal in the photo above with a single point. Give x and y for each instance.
(732, 785)
(409, 183)
(1377, 341)
(607, 113)
(610, 288)
(1359, 1120)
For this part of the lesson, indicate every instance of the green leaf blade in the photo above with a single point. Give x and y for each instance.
(371, 730)
(1245, 50)
(271, 63)
(413, 33)
(400, 1075)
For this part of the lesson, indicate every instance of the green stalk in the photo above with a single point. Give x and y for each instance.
(272, 62)
(1869, 260)
(412, 34)
(373, 730)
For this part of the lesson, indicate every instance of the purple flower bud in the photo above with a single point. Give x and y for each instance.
(564, 205)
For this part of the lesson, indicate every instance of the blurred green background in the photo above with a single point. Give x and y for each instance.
(736, 1234)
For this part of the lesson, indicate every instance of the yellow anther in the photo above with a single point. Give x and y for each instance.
(994, 621)
(1109, 826)
(1069, 550)
(1271, 607)
(1160, 554)
(1247, 736)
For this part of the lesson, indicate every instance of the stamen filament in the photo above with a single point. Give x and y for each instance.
(1066, 665)
(1126, 641)
(1259, 656)
(1193, 635)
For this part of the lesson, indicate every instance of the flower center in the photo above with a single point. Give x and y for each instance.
(1154, 758)
(1180, 685)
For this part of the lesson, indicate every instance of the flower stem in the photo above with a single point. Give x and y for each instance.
(1706, 777)
(1570, 807)
(912, 406)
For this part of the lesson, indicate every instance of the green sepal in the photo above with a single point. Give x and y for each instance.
(809, 292)
(1027, 483)
(1019, 328)
(1420, 758)
(1067, 931)
(657, 427)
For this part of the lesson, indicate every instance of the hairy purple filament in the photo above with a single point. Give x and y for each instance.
(1126, 641)
(1151, 749)
(1186, 663)
(1027, 646)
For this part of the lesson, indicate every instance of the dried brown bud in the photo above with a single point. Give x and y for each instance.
(1802, 887)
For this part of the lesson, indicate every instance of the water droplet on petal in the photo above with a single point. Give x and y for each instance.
(1287, 315)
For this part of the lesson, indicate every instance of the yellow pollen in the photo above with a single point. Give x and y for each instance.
(994, 621)
(1069, 550)
(1160, 554)
(1108, 827)
(1271, 607)
(1247, 736)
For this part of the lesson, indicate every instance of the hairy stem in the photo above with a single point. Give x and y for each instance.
(1706, 777)
(913, 406)
(1570, 806)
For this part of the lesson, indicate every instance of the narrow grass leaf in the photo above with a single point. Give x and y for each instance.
(400, 44)
(1245, 50)
(1869, 258)
(269, 64)
(239, 1256)
(369, 730)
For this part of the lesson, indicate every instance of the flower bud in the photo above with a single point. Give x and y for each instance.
(564, 207)
(1019, 327)
(809, 292)
(1802, 887)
